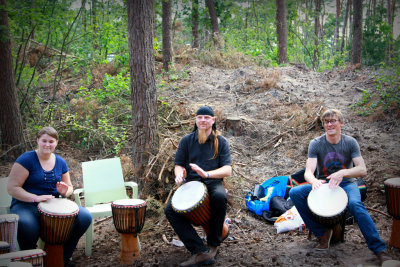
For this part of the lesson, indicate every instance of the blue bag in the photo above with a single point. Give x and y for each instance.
(258, 202)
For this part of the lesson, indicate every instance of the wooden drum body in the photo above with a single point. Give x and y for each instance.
(35, 257)
(129, 217)
(4, 247)
(192, 200)
(392, 191)
(9, 229)
(328, 207)
(57, 218)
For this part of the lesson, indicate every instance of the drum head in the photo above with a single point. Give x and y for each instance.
(327, 202)
(21, 254)
(393, 182)
(129, 202)
(11, 217)
(58, 206)
(188, 195)
(4, 244)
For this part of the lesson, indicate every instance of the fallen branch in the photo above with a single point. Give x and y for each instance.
(381, 212)
(272, 140)
(53, 49)
(169, 194)
(162, 168)
(244, 176)
(102, 220)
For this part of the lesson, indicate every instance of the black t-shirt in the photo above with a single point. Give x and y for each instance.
(190, 151)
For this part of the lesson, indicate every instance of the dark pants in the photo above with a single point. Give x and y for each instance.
(184, 229)
(29, 227)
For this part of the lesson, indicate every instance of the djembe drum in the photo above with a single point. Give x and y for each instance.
(129, 216)
(192, 200)
(35, 257)
(4, 247)
(392, 192)
(9, 229)
(57, 217)
(328, 206)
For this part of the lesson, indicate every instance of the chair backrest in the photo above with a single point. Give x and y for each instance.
(103, 181)
(5, 198)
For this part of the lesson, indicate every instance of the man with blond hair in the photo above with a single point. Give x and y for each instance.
(337, 159)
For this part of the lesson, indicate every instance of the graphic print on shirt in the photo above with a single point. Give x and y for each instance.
(333, 162)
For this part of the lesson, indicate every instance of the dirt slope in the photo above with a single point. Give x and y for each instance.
(274, 111)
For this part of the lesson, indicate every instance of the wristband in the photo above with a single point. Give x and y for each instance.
(208, 175)
(34, 199)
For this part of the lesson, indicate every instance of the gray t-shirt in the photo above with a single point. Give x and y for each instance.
(333, 157)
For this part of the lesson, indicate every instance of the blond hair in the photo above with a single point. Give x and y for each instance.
(331, 113)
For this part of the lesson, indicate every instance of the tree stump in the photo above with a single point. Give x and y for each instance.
(234, 126)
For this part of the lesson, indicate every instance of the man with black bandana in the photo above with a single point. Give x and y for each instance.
(203, 155)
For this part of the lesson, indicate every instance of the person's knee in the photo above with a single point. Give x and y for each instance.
(168, 211)
(355, 206)
(85, 217)
(293, 193)
(28, 222)
(219, 197)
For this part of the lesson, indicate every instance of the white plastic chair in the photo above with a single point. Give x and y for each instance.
(103, 182)
(5, 198)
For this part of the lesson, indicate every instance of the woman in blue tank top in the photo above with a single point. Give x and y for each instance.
(37, 176)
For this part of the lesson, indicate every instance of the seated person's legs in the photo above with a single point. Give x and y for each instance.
(299, 196)
(82, 222)
(364, 220)
(185, 231)
(28, 224)
(218, 203)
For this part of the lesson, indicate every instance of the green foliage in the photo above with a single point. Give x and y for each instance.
(95, 113)
(100, 116)
(386, 95)
(376, 37)
(95, 119)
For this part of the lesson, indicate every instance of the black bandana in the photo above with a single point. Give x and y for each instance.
(205, 110)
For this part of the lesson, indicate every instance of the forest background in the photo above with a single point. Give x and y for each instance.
(70, 61)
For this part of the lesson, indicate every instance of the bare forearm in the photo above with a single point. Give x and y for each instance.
(21, 194)
(222, 172)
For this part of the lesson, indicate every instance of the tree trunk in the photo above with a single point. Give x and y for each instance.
(373, 7)
(94, 21)
(390, 23)
(10, 117)
(338, 9)
(346, 15)
(282, 30)
(143, 88)
(166, 33)
(317, 30)
(357, 32)
(195, 23)
(214, 21)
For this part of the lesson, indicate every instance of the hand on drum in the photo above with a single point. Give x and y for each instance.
(42, 198)
(62, 188)
(335, 179)
(180, 177)
(317, 184)
(199, 170)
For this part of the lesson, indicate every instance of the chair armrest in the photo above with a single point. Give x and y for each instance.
(77, 193)
(134, 187)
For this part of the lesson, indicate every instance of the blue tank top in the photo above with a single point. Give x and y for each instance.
(39, 181)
